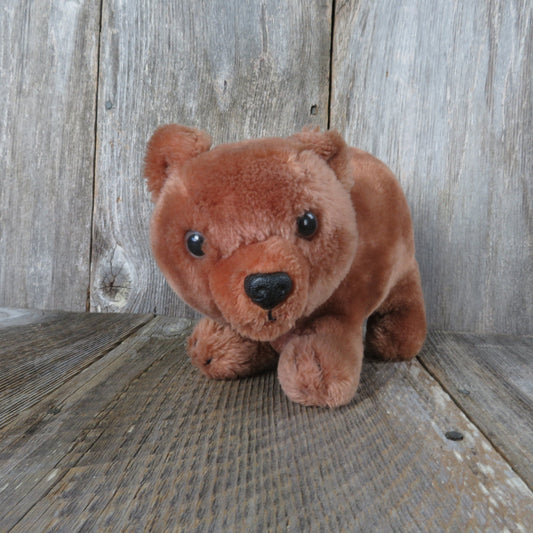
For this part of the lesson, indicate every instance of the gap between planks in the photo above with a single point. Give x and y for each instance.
(479, 373)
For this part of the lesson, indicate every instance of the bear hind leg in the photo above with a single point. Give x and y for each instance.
(397, 329)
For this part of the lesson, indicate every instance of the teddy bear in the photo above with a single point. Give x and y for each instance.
(298, 251)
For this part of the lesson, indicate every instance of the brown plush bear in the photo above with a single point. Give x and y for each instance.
(288, 246)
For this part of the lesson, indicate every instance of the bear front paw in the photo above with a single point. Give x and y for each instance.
(221, 353)
(312, 373)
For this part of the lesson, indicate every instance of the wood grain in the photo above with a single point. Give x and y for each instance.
(491, 379)
(236, 69)
(37, 448)
(442, 91)
(48, 61)
(11, 316)
(141, 441)
(40, 356)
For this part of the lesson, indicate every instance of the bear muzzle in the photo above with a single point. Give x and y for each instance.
(261, 288)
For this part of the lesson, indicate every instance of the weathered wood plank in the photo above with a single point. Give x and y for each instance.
(38, 357)
(48, 61)
(491, 379)
(443, 92)
(173, 451)
(37, 449)
(11, 316)
(236, 69)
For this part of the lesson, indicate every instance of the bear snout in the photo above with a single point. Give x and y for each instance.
(268, 290)
(261, 288)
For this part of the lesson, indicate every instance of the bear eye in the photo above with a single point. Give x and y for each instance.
(194, 242)
(307, 224)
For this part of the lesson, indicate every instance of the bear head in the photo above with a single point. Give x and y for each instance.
(255, 234)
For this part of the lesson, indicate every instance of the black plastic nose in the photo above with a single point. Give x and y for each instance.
(268, 290)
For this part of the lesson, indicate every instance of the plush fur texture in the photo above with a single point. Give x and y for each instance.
(245, 200)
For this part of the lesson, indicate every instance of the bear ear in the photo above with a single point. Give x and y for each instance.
(330, 146)
(169, 147)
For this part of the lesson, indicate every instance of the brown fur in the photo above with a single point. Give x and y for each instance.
(245, 198)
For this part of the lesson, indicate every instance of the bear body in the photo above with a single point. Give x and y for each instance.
(287, 246)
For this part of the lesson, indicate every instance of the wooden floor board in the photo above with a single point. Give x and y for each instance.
(65, 426)
(139, 440)
(491, 378)
(40, 355)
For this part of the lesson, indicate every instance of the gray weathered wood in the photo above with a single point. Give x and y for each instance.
(34, 449)
(141, 441)
(38, 357)
(236, 69)
(491, 379)
(48, 61)
(443, 92)
(11, 316)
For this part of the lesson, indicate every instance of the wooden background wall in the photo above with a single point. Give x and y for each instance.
(441, 91)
